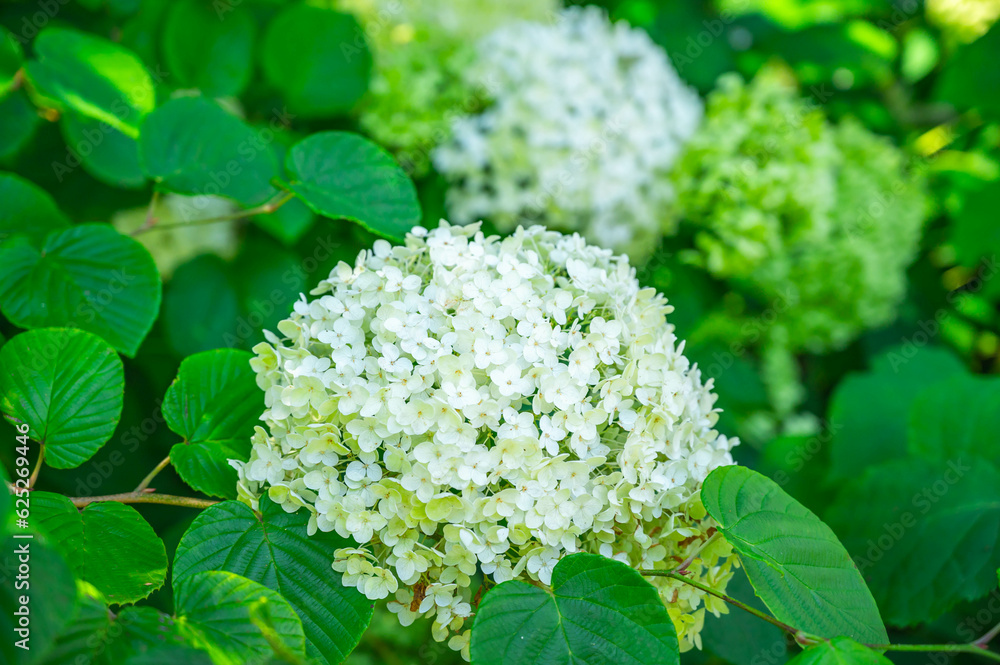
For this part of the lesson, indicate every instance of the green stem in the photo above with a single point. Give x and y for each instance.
(38, 466)
(264, 209)
(718, 594)
(145, 496)
(990, 634)
(152, 474)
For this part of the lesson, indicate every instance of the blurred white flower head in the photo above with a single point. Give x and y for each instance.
(586, 118)
(466, 403)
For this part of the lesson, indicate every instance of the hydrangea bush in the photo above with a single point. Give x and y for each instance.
(586, 119)
(422, 49)
(466, 401)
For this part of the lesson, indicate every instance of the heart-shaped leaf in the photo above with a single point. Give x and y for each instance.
(598, 611)
(213, 404)
(110, 545)
(317, 58)
(27, 209)
(87, 276)
(92, 76)
(68, 386)
(342, 175)
(272, 548)
(192, 146)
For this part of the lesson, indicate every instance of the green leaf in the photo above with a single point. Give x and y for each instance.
(200, 307)
(840, 651)
(89, 277)
(270, 280)
(110, 545)
(215, 610)
(343, 175)
(104, 152)
(967, 80)
(741, 638)
(599, 611)
(273, 549)
(957, 417)
(19, 119)
(208, 51)
(213, 404)
(192, 146)
(68, 385)
(926, 535)
(27, 209)
(318, 59)
(171, 655)
(125, 559)
(794, 561)
(78, 643)
(11, 57)
(974, 232)
(136, 631)
(92, 76)
(51, 599)
(869, 412)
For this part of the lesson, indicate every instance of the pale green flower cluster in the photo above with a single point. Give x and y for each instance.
(422, 49)
(465, 404)
(814, 222)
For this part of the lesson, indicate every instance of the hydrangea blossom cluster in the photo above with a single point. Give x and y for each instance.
(421, 48)
(815, 221)
(467, 403)
(586, 120)
(170, 245)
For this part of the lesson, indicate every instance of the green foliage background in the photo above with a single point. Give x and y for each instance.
(902, 458)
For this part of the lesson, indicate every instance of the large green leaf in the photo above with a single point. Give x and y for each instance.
(957, 417)
(51, 596)
(104, 152)
(317, 58)
(342, 175)
(599, 611)
(192, 146)
(171, 655)
(11, 57)
(218, 612)
(272, 548)
(213, 404)
(200, 307)
(19, 119)
(110, 545)
(869, 412)
(27, 209)
(87, 276)
(137, 631)
(92, 76)
(68, 385)
(207, 51)
(968, 80)
(79, 641)
(840, 651)
(926, 535)
(794, 561)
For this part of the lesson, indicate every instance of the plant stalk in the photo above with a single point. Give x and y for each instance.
(145, 496)
(152, 474)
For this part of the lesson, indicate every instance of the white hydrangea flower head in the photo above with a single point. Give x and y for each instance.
(170, 247)
(421, 48)
(466, 403)
(587, 117)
